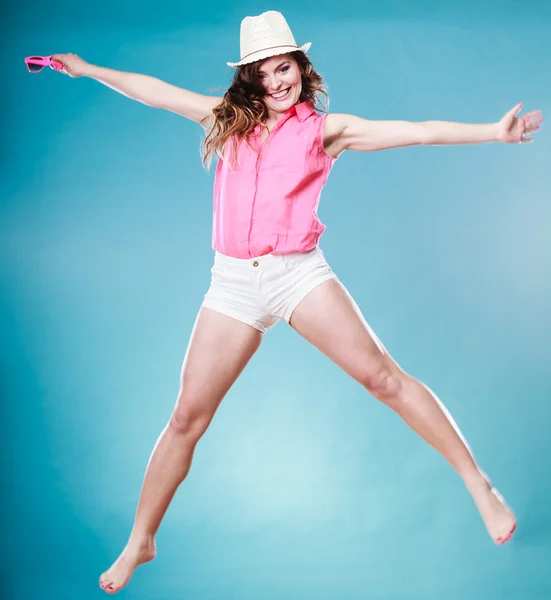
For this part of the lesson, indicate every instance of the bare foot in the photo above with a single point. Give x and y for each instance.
(122, 569)
(498, 517)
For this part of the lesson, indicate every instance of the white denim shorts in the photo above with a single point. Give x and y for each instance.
(260, 291)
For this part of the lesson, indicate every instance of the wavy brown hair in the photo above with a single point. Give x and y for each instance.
(242, 107)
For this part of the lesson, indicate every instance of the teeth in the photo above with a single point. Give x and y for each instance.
(280, 94)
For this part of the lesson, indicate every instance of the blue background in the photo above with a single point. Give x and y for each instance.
(304, 487)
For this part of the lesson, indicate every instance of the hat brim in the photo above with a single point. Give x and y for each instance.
(262, 54)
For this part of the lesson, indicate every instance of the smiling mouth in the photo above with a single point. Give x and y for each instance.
(281, 95)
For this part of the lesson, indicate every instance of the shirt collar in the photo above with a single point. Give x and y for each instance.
(303, 110)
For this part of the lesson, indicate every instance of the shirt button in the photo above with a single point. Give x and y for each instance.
(255, 263)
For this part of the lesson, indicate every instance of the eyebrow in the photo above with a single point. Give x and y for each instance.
(278, 66)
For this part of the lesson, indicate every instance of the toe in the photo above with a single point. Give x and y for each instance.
(502, 539)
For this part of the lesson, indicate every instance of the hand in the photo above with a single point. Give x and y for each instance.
(518, 130)
(73, 65)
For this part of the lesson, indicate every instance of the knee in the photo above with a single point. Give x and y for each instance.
(189, 420)
(384, 383)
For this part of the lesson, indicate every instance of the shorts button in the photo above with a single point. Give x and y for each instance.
(255, 263)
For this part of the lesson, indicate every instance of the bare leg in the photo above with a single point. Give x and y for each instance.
(329, 318)
(219, 349)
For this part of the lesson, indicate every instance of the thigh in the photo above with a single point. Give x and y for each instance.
(219, 349)
(329, 318)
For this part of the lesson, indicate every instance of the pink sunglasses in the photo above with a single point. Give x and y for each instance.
(35, 64)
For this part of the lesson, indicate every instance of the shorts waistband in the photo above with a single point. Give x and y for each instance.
(266, 260)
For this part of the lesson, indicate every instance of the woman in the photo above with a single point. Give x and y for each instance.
(275, 153)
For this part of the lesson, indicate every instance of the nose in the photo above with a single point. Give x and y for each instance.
(274, 84)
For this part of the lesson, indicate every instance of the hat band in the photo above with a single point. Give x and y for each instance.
(269, 48)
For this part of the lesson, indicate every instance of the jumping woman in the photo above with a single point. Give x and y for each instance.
(275, 147)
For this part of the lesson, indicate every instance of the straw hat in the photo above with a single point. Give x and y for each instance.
(266, 35)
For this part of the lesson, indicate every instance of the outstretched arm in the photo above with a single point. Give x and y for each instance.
(143, 88)
(348, 132)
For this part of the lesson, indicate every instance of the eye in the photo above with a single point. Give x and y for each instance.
(284, 69)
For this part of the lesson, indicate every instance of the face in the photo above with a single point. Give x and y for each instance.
(280, 76)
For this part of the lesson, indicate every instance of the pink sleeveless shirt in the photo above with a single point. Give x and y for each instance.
(266, 202)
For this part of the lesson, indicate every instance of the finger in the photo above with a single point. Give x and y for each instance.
(534, 113)
(515, 110)
(56, 62)
(535, 123)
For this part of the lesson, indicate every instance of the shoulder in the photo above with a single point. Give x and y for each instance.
(333, 132)
(335, 123)
(340, 122)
